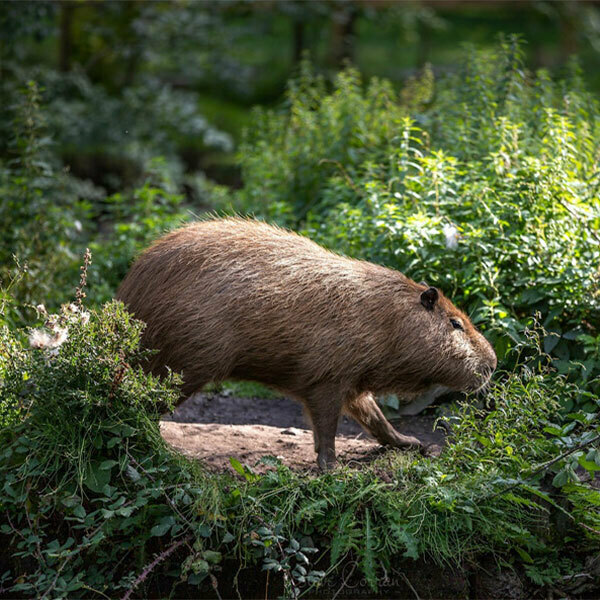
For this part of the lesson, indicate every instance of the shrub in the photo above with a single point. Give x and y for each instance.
(490, 193)
(288, 158)
(48, 217)
(89, 488)
(95, 503)
(44, 212)
(131, 221)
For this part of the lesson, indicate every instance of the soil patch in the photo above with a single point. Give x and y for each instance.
(214, 427)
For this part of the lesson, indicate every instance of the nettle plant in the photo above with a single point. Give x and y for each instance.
(490, 192)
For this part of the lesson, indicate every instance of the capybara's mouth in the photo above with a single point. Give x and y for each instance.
(484, 375)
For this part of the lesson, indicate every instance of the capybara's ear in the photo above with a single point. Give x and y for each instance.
(429, 298)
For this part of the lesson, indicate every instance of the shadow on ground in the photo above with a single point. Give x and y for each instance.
(214, 427)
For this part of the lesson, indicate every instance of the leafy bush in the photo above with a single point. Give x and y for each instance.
(490, 193)
(86, 478)
(125, 87)
(127, 131)
(48, 217)
(132, 220)
(287, 159)
(94, 503)
(44, 212)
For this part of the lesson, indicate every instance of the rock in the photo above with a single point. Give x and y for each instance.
(292, 431)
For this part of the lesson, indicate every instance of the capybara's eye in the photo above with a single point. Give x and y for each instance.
(456, 324)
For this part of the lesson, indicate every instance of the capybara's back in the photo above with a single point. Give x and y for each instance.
(236, 298)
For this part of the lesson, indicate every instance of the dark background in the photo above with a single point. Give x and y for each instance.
(232, 55)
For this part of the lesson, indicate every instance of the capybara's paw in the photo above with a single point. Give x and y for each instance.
(407, 441)
(326, 461)
(431, 450)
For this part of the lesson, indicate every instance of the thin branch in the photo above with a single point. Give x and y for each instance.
(545, 466)
(341, 167)
(410, 585)
(150, 567)
(345, 581)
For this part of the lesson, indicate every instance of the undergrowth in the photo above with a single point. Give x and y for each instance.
(94, 503)
(48, 216)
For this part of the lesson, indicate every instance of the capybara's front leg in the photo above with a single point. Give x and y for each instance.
(364, 409)
(324, 406)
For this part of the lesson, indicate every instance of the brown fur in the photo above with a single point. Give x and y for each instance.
(236, 298)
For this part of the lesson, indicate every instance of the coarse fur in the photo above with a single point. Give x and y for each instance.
(237, 298)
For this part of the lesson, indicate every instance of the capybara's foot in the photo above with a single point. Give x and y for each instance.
(326, 459)
(432, 450)
(406, 441)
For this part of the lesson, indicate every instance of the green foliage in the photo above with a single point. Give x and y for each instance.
(147, 120)
(95, 503)
(87, 480)
(287, 159)
(126, 85)
(43, 212)
(485, 185)
(48, 217)
(133, 220)
(287, 557)
(82, 471)
(491, 193)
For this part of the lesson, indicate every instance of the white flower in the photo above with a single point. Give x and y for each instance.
(39, 338)
(60, 336)
(85, 317)
(451, 234)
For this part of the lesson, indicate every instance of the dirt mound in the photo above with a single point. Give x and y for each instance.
(215, 427)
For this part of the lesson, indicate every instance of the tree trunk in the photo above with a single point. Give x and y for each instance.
(298, 39)
(342, 35)
(65, 40)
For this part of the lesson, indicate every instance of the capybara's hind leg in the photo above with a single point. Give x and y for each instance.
(365, 410)
(324, 407)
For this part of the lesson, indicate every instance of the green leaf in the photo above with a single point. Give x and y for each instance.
(483, 440)
(525, 556)
(589, 465)
(410, 542)
(163, 526)
(125, 511)
(346, 536)
(96, 478)
(244, 471)
(212, 556)
(197, 578)
(564, 476)
(550, 342)
(368, 562)
(237, 466)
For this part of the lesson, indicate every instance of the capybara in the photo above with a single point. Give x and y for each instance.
(239, 299)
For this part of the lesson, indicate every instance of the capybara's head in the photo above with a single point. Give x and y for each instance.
(454, 353)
